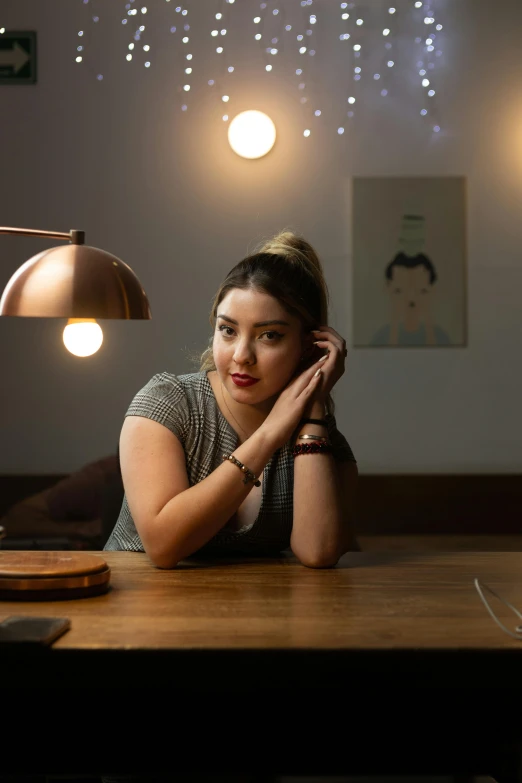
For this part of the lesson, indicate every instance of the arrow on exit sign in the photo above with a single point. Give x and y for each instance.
(13, 59)
(17, 57)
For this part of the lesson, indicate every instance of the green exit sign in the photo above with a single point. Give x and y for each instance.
(17, 57)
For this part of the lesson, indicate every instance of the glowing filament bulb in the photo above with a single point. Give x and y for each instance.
(82, 336)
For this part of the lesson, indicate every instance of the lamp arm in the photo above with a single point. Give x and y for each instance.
(75, 237)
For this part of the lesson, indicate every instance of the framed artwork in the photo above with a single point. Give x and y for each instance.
(409, 262)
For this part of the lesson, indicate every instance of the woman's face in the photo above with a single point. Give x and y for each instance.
(257, 338)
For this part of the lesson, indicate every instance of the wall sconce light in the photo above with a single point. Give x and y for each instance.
(251, 134)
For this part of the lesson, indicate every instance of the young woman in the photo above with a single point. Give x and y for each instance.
(244, 456)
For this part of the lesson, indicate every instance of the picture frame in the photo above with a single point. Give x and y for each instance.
(409, 262)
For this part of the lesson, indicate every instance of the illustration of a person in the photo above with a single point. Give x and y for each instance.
(410, 281)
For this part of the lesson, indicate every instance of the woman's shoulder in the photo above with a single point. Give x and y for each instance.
(166, 383)
(190, 390)
(172, 400)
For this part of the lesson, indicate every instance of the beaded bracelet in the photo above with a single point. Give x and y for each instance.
(249, 476)
(311, 448)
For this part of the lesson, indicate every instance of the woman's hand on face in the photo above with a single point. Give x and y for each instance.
(291, 404)
(333, 367)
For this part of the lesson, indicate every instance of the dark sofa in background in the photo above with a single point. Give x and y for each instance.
(75, 511)
(470, 511)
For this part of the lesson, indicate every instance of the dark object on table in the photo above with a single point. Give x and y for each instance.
(33, 630)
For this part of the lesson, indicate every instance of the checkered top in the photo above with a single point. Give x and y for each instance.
(187, 406)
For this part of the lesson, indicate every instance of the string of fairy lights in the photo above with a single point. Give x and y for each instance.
(430, 51)
(219, 29)
(383, 45)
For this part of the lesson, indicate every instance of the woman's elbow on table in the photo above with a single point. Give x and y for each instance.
(318, 562)
(159, 554)
(326, 560)
(166, 566)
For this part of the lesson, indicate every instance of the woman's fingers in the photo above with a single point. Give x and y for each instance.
(328, 330)
(317, 372)
(308, 376)
(327, 334)
(329, 344)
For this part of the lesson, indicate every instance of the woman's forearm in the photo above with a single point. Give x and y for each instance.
(194, 516)
(319, 531)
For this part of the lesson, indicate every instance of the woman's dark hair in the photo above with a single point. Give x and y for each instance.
(287, 268)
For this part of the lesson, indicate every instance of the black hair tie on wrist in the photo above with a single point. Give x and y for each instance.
(314, 421)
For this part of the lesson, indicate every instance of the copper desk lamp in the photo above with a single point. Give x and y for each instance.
(69, 281)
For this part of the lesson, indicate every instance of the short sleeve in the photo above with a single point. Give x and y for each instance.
(163, 399)
(340, 446)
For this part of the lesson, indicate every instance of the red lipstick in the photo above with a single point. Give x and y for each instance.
(244, 380)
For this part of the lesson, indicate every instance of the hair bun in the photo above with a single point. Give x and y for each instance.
(293, 247)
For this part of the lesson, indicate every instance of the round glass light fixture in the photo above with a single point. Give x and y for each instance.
(251, 134)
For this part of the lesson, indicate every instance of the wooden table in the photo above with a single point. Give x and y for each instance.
(387, 664)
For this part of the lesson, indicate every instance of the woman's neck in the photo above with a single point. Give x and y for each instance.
(248, 418)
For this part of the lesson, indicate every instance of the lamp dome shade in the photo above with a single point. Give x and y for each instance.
(75, 281)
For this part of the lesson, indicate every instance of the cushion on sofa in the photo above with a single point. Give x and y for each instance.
(80, 495)
(30, 518)
(73, 507)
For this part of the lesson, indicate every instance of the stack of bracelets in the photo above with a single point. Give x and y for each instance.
(319, 445)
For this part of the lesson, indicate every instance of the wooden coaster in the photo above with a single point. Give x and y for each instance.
(47, 576)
